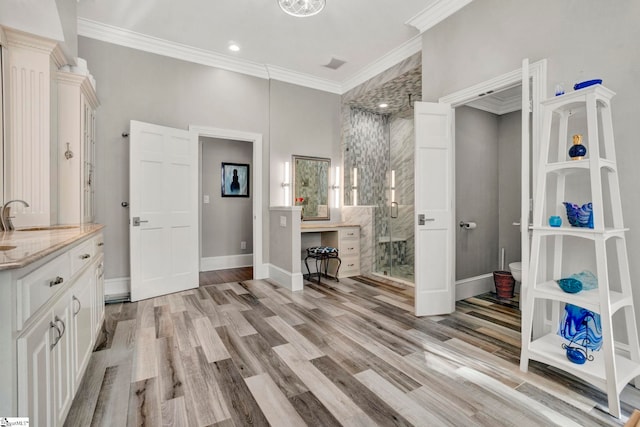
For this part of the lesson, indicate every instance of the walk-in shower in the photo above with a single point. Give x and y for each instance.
(378, 158)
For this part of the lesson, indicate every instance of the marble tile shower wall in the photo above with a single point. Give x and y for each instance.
(367, 150)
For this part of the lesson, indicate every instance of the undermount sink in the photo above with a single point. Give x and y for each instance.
(6, 248)
(51, 227)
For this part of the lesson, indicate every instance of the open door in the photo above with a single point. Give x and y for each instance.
(525, 177)
(434, 199)
(163, 224)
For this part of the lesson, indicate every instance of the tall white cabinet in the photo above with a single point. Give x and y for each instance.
(77, 103)
(50, 146)
(31, 118)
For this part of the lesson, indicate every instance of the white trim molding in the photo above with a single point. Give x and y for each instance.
(116, 288)
(286, 279)
(227, 261)
(435, 13)
(473, 286)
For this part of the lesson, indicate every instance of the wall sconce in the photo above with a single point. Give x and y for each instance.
(286, 185)
(354, 187)
(336, 188)
(393, 186)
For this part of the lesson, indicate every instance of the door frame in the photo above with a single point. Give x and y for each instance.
(538, 77)
(196, 133)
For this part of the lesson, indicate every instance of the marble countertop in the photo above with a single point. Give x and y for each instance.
(323, 227)
(32, 244)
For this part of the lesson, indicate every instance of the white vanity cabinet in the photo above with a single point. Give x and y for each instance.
(77, 103)
(45, 351)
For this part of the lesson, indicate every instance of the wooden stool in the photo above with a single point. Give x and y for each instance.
(322, 255)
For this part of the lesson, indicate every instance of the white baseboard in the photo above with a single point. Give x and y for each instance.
(473, 286)
(286, 279)
(224, 262)
(116, 289)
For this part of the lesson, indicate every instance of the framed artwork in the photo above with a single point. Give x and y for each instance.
(235, 180)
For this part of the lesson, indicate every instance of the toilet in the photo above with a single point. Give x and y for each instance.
(516, 270)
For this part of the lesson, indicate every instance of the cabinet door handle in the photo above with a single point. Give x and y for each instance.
(64, 327)
(85, 256)
(101, 244)
(55, 326)
(75, 299)
(56, 281)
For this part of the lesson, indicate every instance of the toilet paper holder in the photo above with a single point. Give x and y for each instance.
(468, 225)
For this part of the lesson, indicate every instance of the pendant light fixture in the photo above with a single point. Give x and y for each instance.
(302, 8)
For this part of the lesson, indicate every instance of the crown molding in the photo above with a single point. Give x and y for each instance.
(301, 79)
(437, 12)
(131, 39)
(127, 38)
(402, 52)
(498, 107)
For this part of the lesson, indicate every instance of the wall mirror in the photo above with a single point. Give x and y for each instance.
(311, 186)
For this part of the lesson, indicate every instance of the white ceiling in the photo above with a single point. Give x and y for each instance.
(370, 35)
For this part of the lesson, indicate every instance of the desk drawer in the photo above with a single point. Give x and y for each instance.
(37, 287)
(349, 233)
(349, 248)
(350, 267)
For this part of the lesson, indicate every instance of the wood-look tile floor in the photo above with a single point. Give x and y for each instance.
(347, 353)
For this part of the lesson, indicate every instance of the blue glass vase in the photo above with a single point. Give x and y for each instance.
(583, 330)
(577, 150)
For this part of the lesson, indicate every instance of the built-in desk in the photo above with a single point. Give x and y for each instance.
(345, 237)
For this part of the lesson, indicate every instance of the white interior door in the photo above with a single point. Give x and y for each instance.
(434, 199)
(525, 185)
(163, 206)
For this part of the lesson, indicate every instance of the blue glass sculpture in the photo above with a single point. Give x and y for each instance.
(583, 330)
(570, 285)
(579, 216)
(588, 279)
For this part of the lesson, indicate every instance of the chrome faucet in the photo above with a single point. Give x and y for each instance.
(5, 219)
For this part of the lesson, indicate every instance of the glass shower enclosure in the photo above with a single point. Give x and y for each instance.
(380, 147)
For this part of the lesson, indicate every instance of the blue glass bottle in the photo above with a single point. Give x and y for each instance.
(577, 150)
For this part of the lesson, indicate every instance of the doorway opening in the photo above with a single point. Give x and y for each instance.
(476, 258)
(255, 178)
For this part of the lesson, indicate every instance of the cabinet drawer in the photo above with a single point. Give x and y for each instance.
(98, 244)
(350, 266)
(349, 248)
(349, 233)
(82, 255)
(37, 287)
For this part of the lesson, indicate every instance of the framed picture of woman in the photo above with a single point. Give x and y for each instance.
(235, 180)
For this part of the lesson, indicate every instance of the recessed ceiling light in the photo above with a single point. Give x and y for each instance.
(383, 105)
(234, 47)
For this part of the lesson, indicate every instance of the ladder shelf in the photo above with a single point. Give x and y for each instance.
(557, 252)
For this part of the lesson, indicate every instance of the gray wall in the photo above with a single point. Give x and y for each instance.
(476, 151)
(226, 221)
(581, 39)
(509, 174)
(134, 85)
(306, 122)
